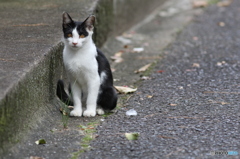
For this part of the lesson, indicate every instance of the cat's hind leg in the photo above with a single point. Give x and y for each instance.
(100, 111)
(107, 100)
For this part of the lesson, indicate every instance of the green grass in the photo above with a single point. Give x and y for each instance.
(149, 71)
(89, 129)
(213, 1)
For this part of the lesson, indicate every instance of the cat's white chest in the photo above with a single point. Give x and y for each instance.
(81, 63)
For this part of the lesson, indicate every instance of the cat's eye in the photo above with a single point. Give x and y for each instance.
(69, 35)
(82, 36)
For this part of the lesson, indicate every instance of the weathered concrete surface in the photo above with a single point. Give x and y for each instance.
(128, 13)
(30, 61)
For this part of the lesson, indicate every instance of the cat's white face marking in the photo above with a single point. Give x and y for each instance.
(76, 41)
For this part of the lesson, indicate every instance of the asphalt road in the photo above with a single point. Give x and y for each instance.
(190, 106)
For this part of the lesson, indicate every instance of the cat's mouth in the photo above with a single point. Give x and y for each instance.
(75, 46)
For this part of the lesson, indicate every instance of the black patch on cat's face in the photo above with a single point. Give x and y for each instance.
(69, 24)
(81, 29)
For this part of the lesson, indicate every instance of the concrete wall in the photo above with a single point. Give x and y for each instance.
(129, 12)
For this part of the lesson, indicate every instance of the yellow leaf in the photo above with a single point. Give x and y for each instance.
(200, 3)
(125, 90)
(142, 69)
(132, 136)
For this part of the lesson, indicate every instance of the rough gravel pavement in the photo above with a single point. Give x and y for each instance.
(190, 107)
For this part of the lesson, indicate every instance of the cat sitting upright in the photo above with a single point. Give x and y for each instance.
(91, 81)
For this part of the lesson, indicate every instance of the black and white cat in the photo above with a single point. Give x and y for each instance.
(91, 81)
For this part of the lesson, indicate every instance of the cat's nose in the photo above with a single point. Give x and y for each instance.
(74, 44)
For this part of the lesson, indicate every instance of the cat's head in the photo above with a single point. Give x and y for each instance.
(76, 34)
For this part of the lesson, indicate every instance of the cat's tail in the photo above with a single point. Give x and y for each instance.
(62, 95)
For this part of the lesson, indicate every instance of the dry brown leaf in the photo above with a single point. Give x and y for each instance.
(172, 104)
(71, 107)
(125, 90)
(224, 3)
(218, 102)
(7, 59)
(63, 111)
(149, 96)
(142, 69)
(221, 24)
(195, 38)
(200, 3)
(197, 65)
(221, 63)
(117, 58)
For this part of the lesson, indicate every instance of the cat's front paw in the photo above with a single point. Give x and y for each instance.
(89, 113)
(75, 112)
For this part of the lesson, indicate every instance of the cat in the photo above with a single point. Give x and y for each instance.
(91, 80)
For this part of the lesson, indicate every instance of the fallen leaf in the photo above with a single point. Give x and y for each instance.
(125, 90)
(221, 24)
(116, 80)
(117, 58)
(123, 40)
(200, 3)
(132, 136)
(180, 87)
(7, 59)
(145, 78)
(40, 142)
(113, 69)
(195, 38)
(171, 104)
(149, 96)
(218, 102)
(71, 107)
(190, 70)
(160, 71)
(224, 3)
(138, 49)
(142, 69)
(197, 65)
(128, 35)
(63, 111)
(35, 157)
(221, 63)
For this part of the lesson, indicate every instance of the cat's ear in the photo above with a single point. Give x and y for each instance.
(89, 22)
(66, 19)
